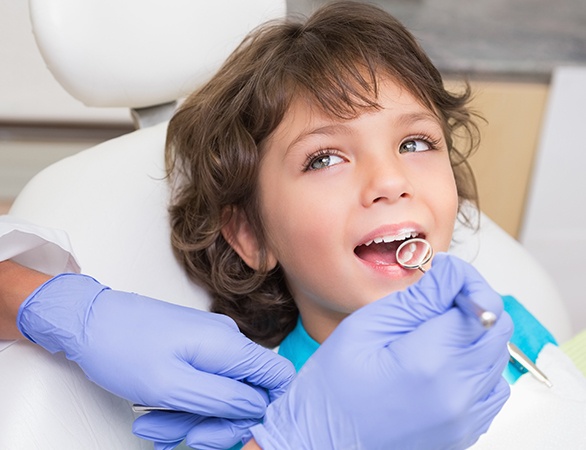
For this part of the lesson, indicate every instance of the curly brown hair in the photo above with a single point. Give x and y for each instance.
(215, 140)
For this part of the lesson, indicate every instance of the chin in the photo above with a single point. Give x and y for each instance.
(402, 284)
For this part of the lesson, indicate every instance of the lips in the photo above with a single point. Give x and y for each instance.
(381, 251)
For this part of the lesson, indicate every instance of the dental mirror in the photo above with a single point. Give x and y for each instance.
(414, 254)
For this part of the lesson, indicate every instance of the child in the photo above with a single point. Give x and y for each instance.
(302, 165)
(257, 153)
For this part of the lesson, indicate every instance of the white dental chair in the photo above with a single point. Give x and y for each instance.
(111, 199)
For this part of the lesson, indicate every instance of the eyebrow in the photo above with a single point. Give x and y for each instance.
(325, 130)
(412, 118)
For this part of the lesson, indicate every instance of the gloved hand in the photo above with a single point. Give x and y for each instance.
(157, 353)
(169, 429)
(410, 371)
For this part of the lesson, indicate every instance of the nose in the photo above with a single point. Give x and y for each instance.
(385, 181)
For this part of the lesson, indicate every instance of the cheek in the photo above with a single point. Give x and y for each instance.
(447, 209)
(283, 215)
(297, 223)
(450, 193)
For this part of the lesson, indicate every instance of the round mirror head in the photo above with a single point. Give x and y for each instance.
(414, 254)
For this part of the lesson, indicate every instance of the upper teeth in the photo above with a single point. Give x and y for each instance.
(398, 237)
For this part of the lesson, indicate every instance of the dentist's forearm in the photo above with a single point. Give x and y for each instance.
(16, 284)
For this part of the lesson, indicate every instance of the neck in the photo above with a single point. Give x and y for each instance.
(318, 322)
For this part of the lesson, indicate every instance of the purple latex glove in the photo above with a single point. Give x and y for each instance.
(169, 429)
(410, 371)
(157, 353)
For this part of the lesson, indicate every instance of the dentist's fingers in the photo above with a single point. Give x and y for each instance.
(165, 446)
(165, 427)
(434, 294)
(257, 366)
(169, 429)
(448, 278)
(218, 434)
(485, 410)
(449, 342)
(222, 396)
(449, 368)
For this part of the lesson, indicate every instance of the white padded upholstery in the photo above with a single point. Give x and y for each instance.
(111, 200)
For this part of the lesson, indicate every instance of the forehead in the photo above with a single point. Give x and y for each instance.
(306, 113)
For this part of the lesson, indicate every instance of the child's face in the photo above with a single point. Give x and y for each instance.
(330, 186)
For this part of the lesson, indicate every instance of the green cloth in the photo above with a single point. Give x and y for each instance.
(575, 348)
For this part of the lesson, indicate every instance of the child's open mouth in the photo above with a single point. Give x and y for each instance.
(382, 251)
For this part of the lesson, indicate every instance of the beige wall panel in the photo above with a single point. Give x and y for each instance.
(509, 138)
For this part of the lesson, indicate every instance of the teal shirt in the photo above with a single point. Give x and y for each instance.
(529, 335)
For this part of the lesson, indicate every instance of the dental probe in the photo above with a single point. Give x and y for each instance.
(517, 356)
(144, 409)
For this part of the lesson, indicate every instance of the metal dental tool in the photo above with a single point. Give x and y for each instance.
(519, 358)
(145, 409)
(415, 253)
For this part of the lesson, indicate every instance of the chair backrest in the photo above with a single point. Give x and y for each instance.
(137, 53)
(111, 199)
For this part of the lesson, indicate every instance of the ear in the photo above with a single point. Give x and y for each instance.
(239, 233)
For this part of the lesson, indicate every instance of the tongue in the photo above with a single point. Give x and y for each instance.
(383, 254)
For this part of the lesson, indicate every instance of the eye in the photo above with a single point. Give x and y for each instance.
(415, 145)
(323, 159)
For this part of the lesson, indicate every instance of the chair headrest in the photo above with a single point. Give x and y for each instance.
(140, 53)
